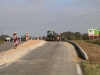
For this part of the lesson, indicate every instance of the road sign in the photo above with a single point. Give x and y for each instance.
(93, 32)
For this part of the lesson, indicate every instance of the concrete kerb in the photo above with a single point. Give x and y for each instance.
(23, 51)
(83, 53)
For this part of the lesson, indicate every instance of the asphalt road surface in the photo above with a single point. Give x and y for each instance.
(53, 58)
(7, 46)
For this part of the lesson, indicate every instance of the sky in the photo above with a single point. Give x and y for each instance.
(38, 16)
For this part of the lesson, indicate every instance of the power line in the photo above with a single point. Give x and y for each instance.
(46, 24)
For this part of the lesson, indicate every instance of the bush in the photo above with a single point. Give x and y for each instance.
(1, 41)
(96, 41)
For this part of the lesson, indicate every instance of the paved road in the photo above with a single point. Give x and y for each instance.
(6, 46)
(53, 58)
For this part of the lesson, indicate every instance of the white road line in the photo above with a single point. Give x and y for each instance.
(78, 70)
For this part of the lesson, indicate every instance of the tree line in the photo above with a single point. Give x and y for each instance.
(67, 36)
(75, 36)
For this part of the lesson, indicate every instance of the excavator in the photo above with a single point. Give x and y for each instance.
(52, 36)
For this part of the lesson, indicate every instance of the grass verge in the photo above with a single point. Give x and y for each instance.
(92, 48)
(96, 41)
(1, 41)
(90, 69)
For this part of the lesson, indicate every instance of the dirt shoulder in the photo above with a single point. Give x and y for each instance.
(92, 50)
(20, 47)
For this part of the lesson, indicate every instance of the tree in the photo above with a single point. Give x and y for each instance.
(0, 38)
(44, 37)
(85, 36)
(23, 38)
(99, 33)
(68, 35)
(3, 37)
(78, 36)
(72, 37)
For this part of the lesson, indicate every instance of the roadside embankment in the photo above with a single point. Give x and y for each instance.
(92, 65)
(80, 50)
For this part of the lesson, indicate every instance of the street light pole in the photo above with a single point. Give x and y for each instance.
(2, 34)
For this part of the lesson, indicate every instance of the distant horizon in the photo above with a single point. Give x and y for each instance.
(42, 35)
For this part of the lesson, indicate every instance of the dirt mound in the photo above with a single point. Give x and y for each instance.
(92, 50)
(20, 47)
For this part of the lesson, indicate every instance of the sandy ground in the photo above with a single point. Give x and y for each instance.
(20, 47)
(92, 50)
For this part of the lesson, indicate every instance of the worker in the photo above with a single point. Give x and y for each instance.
(62, 38)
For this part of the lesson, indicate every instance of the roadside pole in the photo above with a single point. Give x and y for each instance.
(15, 39)
(2, 36)
(27, 36)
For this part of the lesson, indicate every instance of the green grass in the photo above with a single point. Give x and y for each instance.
(90, 69)
(1, 41)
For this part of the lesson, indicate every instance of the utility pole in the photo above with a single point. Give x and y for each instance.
(2, 34)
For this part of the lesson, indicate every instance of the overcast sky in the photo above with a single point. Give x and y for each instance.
(38, 16)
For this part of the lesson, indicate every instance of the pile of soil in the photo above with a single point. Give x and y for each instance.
(92, 50)
(20, 47)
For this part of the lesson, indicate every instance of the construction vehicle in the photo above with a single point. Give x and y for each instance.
(51, 36)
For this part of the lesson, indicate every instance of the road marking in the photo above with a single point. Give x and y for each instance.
(78, 70)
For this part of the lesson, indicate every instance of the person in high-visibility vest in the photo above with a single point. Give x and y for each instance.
(62, 38)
